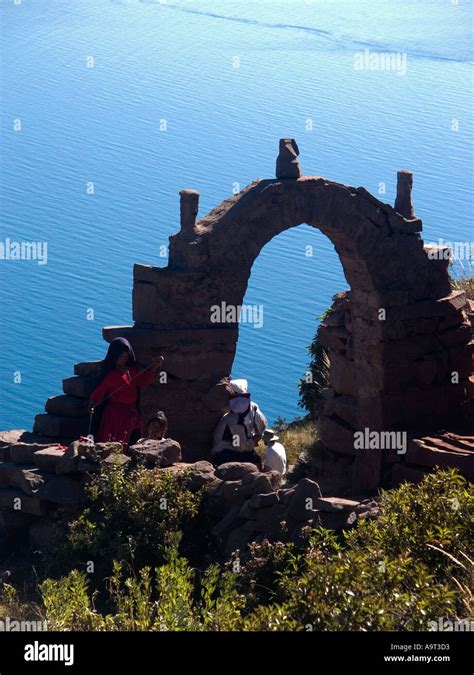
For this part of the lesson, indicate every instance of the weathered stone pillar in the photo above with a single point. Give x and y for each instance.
(403, 200)
(287, 165)
(189, 207)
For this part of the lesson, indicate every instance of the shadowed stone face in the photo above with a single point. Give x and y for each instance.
(189, 207)
(403, 201)
(287, 165)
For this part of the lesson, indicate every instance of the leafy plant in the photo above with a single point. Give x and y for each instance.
(411, 565)
(131, 517)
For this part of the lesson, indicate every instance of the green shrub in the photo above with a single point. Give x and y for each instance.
(411, 565)
(68, 605)
(130, 517)
(259, 577)
(311, 386)
(171, 598)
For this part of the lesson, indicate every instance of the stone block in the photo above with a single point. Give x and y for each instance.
(80, 387)
(69, 460)
(67, 406)
(460, 335)
(261, 483)
(229, 520)
(61, 427)
(259, 501)
(426, 454)
(26, 478)
(235, 470)
(332, 504)
(23, 453)
(157, 453)
(449, 305)
(269, 520)
(201, 473)
(15, 500)
(49, 458)
(116, 460)
(342, 375)
(143, 302)
(286, 495)
(336, 436)
(238, 539)
(96, 452)
(63, 491)
(426, 371)
(306, 493)
(88, 369)
(344, 407)
(333, 338)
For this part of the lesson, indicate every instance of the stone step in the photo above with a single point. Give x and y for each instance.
(67, 406)
(80, 386)
(26, 478)
(23, 453)
(445, 442)
(331, 504)
(465, 440)
(423, 454)
(63, 491)
(88, 368)
(48, 459)
(60, 427)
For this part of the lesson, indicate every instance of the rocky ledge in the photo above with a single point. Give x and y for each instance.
(39, 479)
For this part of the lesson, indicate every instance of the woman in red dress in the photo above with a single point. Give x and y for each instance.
(118, 390)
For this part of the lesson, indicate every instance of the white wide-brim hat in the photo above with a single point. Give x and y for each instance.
(239, 387)
(269, 436)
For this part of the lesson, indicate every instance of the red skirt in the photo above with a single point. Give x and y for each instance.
(117, 423)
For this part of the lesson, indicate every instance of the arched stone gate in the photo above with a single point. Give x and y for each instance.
(393, 358)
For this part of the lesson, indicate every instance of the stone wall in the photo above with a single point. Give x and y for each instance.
(394, 343)
(244, 504)
(38, 482)
(427, 345)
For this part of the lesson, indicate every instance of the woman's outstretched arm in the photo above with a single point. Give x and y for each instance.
(147, 377)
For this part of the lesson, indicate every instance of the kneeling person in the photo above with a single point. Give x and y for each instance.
(239, 431)
(275, 455)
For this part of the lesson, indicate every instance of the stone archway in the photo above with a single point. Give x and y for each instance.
(391, 361)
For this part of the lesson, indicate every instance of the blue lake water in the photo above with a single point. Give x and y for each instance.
(195, 93)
